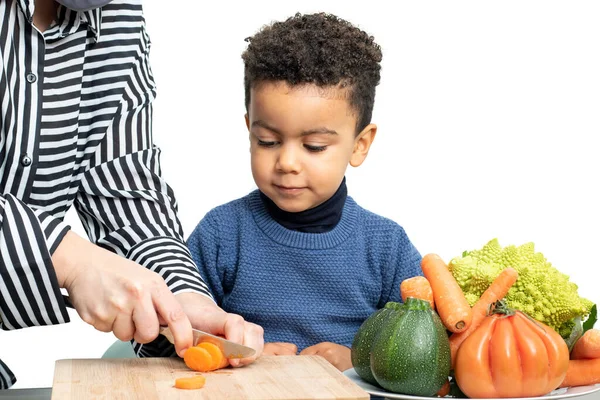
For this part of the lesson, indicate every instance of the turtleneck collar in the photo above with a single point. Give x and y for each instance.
(319, 219)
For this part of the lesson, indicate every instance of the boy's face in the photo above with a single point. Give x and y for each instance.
(301, 141)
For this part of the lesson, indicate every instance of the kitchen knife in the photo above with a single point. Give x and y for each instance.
(230, 349)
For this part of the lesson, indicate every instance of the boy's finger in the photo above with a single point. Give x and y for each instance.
(310, 351)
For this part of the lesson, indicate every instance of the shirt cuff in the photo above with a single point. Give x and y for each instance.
(171, 259)
(29, 290)
(54, 229)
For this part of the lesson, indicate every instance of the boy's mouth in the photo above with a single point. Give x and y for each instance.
(289, 190)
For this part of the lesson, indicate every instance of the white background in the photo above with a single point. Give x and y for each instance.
(488, 116)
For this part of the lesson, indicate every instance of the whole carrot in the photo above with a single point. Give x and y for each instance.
(582, 373)
(450, 301)
(417, 287)
(496, 291)
(587, 346)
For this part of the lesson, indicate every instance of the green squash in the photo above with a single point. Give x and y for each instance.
(411, 353)
(360, 352)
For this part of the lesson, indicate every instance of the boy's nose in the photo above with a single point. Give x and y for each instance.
(288, 160)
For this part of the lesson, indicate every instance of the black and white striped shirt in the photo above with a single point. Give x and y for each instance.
(76, 128)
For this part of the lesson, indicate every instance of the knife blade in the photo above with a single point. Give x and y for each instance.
(230, 349)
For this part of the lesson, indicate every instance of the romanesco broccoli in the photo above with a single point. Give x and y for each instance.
(541, 291)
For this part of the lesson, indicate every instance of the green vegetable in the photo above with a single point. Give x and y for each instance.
(580, 328)
(542, 292)
(576, 333)
(411, 354)
(591, 320)
(360, 353)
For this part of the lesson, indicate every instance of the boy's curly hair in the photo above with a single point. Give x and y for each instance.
(320, 49)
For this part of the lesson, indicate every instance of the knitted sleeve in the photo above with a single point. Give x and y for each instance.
(204, 245)
(405, 262)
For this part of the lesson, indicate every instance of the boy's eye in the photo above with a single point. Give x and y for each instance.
(315, 149)
(264, 143)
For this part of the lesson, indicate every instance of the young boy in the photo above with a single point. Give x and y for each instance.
(298, 256)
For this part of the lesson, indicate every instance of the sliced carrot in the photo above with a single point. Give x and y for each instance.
(417, 287)
(496, 291)
(215, 353)
(587, 346)
(224, 363)
(198, 359)
(193, 382)
(582, 373)
(450, 302)
(444, 390)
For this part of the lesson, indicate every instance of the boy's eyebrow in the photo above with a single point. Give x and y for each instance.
(319, 130)
(263, 124)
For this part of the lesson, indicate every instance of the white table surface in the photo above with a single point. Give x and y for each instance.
(45, 393)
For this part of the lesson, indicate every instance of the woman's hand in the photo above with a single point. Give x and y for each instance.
(207, 316)
(115, 294)
(336, 354)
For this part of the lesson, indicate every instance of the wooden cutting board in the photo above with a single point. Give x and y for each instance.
(270, 377)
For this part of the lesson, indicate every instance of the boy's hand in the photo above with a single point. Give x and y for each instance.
(336, 354)
(280, 349)
(205, 315)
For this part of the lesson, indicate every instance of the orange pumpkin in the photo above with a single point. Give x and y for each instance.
(511, 355)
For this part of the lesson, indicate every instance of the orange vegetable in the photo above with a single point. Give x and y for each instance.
(511, 355)
(193, 382)
(198, 359)
(450, 301)
(587, 346)
(496, 291)
(218, 358)
(582, 373)
(417, 287)
(444, 390)
(204, 357)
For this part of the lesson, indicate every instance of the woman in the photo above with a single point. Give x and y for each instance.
(76, 93)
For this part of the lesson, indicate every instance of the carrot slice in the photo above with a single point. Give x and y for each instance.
(450, 302)
(224, 363)
(198, 359)
(417, 287)
(215, 352)
(587, 346)
(496, 291)
(193, 382)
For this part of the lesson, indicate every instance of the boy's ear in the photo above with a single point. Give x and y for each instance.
(247, 121)
(362, 144)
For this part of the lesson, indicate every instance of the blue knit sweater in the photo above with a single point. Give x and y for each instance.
(302, 288)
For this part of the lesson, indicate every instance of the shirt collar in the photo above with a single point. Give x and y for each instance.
(69, 21)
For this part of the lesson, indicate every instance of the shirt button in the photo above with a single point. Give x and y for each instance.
(31, 77)
(26, 161)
